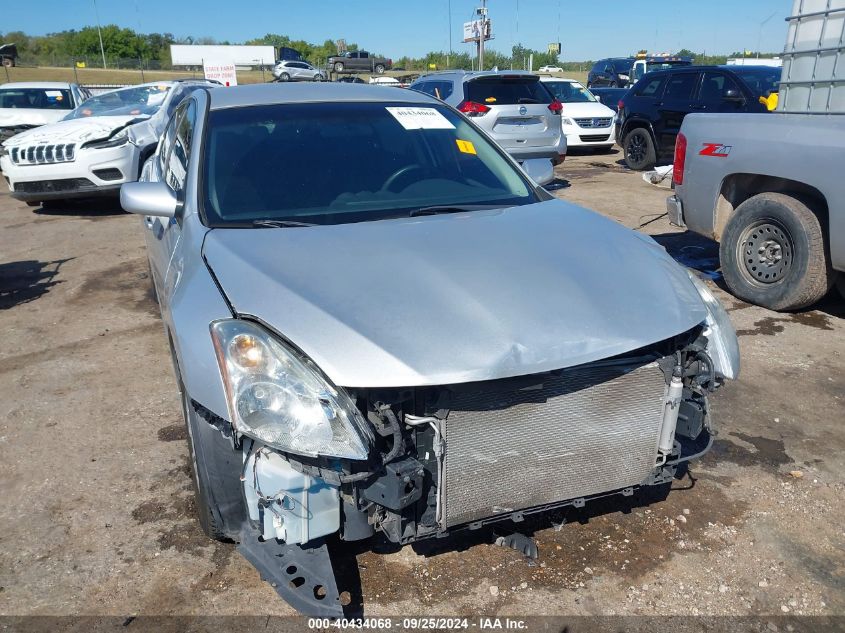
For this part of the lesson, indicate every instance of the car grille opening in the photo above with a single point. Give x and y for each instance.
(112, 173)
(43, 154)
(50, 186)
(585, 431)
(594, 123)
(595, 138)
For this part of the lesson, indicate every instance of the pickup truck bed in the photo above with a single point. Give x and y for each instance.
(771, 190)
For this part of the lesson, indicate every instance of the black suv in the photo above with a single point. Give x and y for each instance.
(614, 72)
(651, 113)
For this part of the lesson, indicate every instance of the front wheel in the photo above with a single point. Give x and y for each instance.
(338, 67)
(379, 69)
(640, 154)
(216, 470)
(773, 253)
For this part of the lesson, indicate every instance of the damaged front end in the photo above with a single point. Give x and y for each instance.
(420, 462)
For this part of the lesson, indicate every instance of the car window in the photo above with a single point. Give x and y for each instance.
(389, 159)
(424, 87)
(713, 87)
(36, 98)
(143, 101)
(680, 86)
(176, 170)
(608, 68)
(441, 89)
(761, 81)
(507, 90)
(651, 87)
(166, 143)
(569, 92)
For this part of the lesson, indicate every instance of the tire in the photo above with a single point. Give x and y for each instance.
(612, 84)
(840, 284)
(640, 154)
(215, 474)
(379, 69)
(33, 203)
(338, 67)
(8, 62)
(773, 253)
(284, 77)
(318, 77)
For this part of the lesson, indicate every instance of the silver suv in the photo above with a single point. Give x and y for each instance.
(513, 107)
(296, 71)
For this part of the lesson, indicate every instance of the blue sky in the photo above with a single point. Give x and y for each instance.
(588, 29)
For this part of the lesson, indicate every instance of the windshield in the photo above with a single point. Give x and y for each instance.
(570, 92)
(36, 98)
(507, 90)
(333, 163)
(141, 100)
(761, 81)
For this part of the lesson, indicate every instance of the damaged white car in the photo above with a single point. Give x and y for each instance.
(407, 340)
(26, 105)
(96, 147)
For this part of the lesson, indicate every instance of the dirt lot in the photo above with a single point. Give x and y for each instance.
(97, 514)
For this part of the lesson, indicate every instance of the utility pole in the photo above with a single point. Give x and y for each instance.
(449, 57)
(483, 33)
(100, 33)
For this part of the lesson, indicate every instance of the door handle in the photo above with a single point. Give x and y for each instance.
(698, 107)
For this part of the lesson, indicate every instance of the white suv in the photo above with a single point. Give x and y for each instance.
(586, 121)
(96, 147)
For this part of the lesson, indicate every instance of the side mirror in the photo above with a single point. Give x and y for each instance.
(149, 198)
(732, 94)
(540, 170)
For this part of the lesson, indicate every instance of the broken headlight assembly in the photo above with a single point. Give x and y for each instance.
(115, 140)
(280, 399)
(723, 345)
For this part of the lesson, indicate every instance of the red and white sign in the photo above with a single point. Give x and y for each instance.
(223, 72)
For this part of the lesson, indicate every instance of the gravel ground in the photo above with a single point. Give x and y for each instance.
(98, 519)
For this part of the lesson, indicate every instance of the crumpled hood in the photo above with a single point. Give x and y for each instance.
(457, 298)
(71, 131)
(584, 110)
(11, 117)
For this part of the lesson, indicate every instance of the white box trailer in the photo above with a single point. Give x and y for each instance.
(773, 62)
(196, 54)
(813, 80)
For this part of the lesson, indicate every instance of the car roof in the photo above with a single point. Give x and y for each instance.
(269, 94)
(36, 84)
(475, 74)
(547, 78)
(681, 69)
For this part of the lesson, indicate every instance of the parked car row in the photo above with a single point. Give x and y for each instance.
(95, 147)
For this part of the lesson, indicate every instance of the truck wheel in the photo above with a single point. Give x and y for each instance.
(379, 69)
(773, 253)
(840, 284)
(215, 470)
(33, 203)
(640, 154)
(8, 62)
(338, 67)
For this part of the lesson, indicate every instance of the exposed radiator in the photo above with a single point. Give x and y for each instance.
(593, 429)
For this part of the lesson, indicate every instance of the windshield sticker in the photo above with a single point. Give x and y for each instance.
(466, 147)
(54, 94)
(420, 119)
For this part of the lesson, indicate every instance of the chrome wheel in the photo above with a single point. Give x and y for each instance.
(766, 251)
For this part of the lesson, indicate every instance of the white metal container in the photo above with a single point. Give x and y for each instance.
(813, 79)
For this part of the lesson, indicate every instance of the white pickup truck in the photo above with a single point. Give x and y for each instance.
(771, 189)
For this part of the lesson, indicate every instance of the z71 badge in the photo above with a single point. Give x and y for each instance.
(716, 149)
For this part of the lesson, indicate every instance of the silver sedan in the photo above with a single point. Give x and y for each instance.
(380, 324)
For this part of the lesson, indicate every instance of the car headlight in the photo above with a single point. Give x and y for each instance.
(280, 399)
(116, 140)
(723, 344)
(625, 77)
